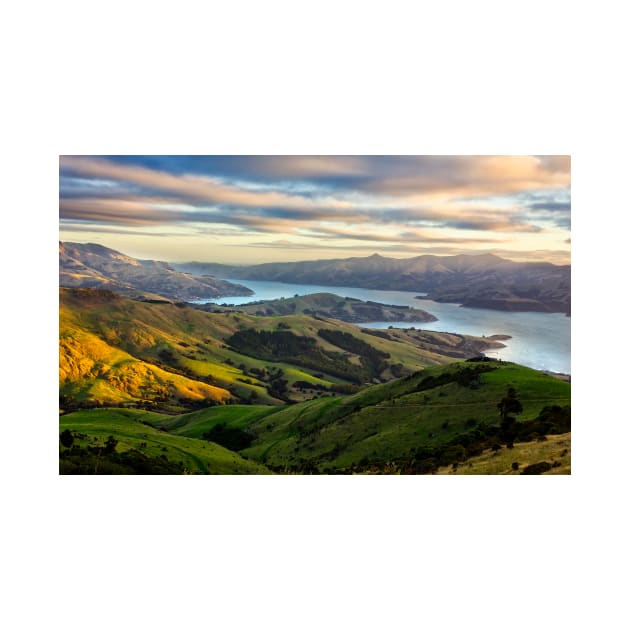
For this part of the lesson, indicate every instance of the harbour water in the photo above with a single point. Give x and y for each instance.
(538, 340)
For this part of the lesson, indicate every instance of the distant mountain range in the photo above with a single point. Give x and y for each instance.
(481, 281)
(97, 267)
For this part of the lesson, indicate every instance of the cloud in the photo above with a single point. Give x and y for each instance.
(260, 168)
(469, 175)
(93, 229)
(552, 206)
(119, 211)
(556, 163)
(138, 211)
(494, 225)
(395, 176)
(401, 237)
(390, 200)
(195, 188)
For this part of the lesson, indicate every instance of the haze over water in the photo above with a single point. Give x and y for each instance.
(539, 340)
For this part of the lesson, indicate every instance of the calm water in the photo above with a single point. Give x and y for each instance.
(539, 340)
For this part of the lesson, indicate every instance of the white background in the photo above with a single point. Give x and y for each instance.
(314, 78)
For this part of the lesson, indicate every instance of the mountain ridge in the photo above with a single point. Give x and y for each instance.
(473, 280)
(91, 265)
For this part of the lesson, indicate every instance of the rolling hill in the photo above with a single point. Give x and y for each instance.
(168, 356)
(163, 388)
(440, 420)
(408, 420)
(134, 435)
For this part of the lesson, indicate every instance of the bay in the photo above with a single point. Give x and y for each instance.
(538, 340)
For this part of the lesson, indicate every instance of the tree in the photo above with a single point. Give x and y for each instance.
(67, 438)
(509, 404)
(110, 444)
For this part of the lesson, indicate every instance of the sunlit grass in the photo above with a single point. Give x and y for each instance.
(556, 448)
(197, 456)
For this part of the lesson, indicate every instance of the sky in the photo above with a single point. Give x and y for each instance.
(254, 209)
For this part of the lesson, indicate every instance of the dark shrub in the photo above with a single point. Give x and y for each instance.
(536, 469)
(66, 438)
(231, 438)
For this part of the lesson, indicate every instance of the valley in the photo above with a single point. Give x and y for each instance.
(114, 350)
(316, 383)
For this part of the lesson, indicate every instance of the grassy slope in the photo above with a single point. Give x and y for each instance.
(500, 462)
(380, 423)
(196, 423)
(126, 426)
(111, 347)
(91, 369)
(387, 421)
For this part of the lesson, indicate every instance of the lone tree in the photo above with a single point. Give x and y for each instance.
(66, 438)
(508, 405)
(110, 445)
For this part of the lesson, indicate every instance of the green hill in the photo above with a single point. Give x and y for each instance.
(240, 393)
(436, 417)
(91, 428)
(443, 419)
(117, 351)
(410, 419)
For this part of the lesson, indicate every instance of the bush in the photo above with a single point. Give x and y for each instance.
(536, 469)
(231, 438)
(66, 438)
